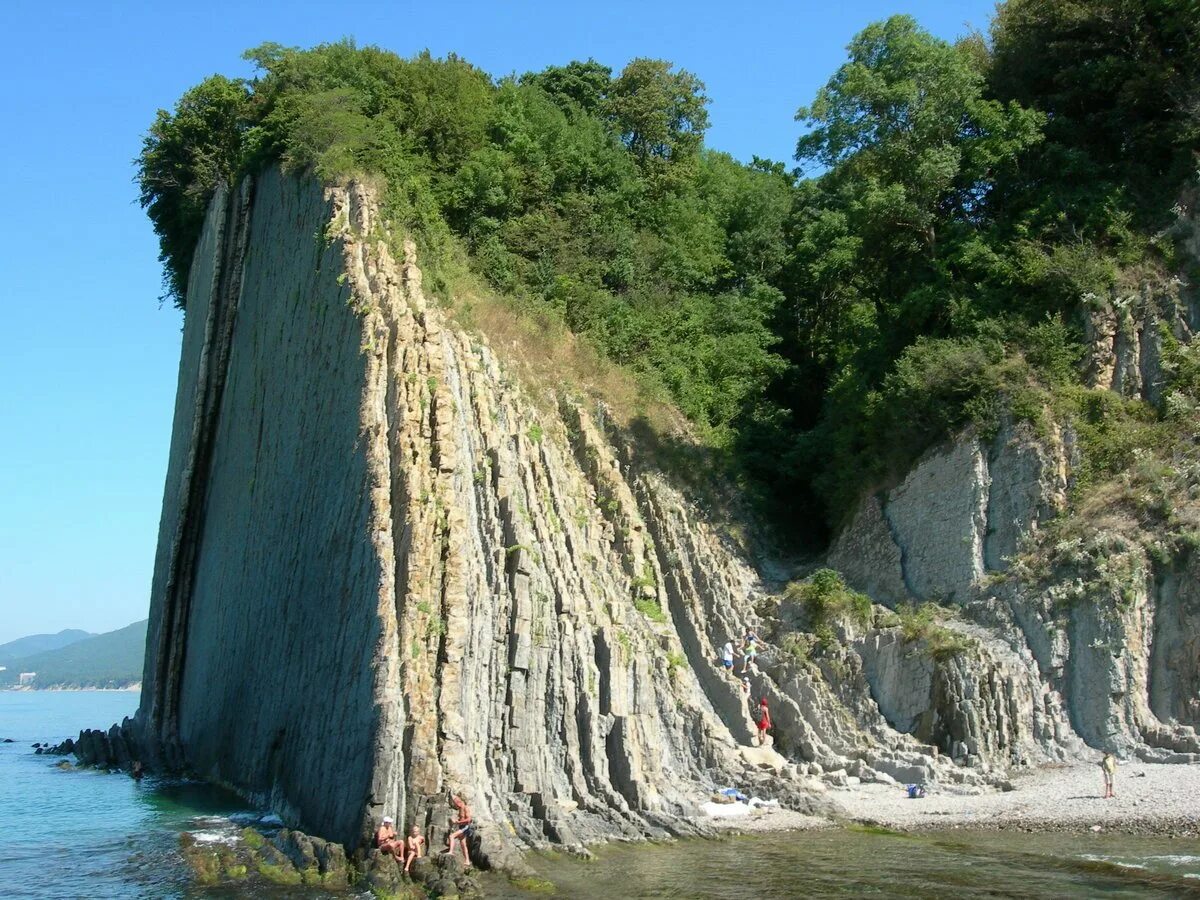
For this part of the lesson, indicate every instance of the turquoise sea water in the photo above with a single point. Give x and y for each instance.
(82, 834)
(77, 833)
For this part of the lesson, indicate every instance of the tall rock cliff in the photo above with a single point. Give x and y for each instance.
(1088, 641)
(385, 572)
(388, 570)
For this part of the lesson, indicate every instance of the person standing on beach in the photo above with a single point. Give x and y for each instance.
(1109, 766)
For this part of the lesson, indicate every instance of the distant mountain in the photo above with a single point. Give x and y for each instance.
(40, 643)
(113, 660)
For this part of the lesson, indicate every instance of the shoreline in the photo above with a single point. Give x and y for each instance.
(54, 689)
(1151, 799)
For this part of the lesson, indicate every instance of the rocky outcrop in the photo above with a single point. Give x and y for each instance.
(961, 512)
(388, 572)
(1097, 651)
(1127, 332)
(391, 568)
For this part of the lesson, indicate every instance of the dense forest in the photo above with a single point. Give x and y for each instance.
(927, 263)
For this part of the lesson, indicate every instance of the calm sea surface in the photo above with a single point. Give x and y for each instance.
(67, 834)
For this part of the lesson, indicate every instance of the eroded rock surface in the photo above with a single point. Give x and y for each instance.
(387, 571)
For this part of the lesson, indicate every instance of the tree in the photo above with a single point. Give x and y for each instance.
(905, 121)
(1118, 79)
(185, 155)
(659, 113)
(580, 85)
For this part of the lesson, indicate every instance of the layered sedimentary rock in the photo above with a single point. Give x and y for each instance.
(389, 570)
(960, 513)
(1127, 334)
(1099, 651)
(386, 573)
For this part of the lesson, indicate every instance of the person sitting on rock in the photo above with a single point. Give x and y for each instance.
(1109, 766)
(461, 828)
(414, 847)
(764, 721)
(388, 841)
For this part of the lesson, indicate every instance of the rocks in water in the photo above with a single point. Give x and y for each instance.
(66, 748)
(319, 862)
(440, 875)
(9, 741)
(289, 858)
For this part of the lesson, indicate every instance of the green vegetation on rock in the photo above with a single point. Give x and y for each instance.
(960, 207)
(828, 602)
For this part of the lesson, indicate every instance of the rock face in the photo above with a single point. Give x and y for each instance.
(959, 514)
(386, 572)
(1101, 651)
(1127, 334)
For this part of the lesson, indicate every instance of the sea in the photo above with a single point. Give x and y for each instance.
(70, 833)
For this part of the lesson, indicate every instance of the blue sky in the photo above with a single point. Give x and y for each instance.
(88, 358)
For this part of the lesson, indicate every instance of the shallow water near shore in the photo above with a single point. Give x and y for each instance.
(864, 863)
(86, 834)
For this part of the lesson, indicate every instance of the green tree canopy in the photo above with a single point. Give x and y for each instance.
(659, 113)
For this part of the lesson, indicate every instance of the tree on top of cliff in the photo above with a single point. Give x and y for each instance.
(821, 332)
(184, 156)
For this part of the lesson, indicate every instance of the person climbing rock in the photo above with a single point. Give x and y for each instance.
(764, 721)
(727, 656)
(461, 829)
(1109, 766)
(414, 847)
(387, 840)
(749, 651)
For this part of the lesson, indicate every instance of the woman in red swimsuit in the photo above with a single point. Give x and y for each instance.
(764, 721)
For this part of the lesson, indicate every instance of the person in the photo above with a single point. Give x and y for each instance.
(764, 721)
(461, 828)
(1109, 767)
(749, 651)
(388, 841)
(414, 847)
(746, 686)
(727, 656)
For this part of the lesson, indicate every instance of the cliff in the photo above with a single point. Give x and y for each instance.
(385, 572)
(1091, 605)
(388, 569)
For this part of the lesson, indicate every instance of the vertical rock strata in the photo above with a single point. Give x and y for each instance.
(386, 573)
(1106, 655)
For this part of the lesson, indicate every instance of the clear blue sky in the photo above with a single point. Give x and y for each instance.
(88, 359)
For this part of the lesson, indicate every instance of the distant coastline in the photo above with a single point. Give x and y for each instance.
(136, 686)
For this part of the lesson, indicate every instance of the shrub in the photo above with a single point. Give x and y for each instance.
(828, 602)
(650, 609)
(920, 624)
